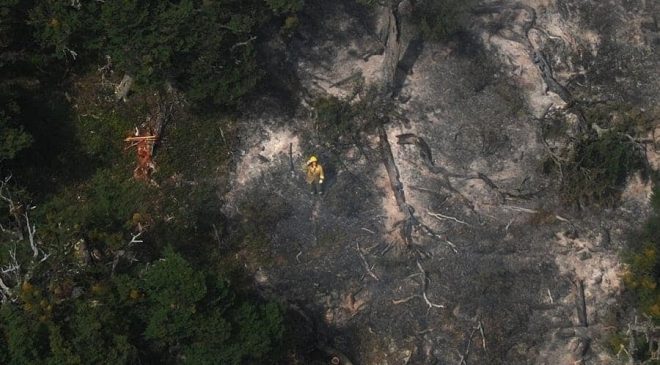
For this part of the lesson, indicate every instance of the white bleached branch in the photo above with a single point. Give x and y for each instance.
(424, 283)
(443, 217)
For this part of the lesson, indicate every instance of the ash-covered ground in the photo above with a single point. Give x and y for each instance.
(501, 281)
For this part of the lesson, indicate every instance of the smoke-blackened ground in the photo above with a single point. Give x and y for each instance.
(509, 293)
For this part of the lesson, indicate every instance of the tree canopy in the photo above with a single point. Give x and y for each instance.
(75, 287)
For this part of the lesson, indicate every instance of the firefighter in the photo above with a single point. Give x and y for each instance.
(315, 175)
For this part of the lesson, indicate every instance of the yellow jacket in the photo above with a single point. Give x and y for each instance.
(314, 174)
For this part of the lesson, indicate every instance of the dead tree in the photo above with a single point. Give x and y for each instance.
(645, 330)
(397, 187)
(399, 32)
(20, 232)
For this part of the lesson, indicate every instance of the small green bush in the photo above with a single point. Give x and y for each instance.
(335, 119)
(13, 139)
(441, 19)
(102, 136)
(598, 168)
(340, 121)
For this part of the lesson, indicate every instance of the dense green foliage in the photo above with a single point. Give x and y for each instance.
(119, 271)
(170, 313)
(206, 47)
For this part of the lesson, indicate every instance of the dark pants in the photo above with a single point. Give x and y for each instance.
(315, 187)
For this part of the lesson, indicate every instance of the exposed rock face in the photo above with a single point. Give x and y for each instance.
(530, 281)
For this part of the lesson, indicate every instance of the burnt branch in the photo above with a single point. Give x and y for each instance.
(425, 281)
(365, 263)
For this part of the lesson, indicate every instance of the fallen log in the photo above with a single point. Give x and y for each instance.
(397, 187)
(580, 303)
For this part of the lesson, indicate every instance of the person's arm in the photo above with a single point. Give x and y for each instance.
(321, 176)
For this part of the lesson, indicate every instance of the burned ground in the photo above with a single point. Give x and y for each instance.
(503, 279)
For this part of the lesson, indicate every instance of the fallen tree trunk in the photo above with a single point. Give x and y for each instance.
(580, 303)
(397, 187)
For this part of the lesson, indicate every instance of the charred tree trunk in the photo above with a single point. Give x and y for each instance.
(400, 32)
(397, 187)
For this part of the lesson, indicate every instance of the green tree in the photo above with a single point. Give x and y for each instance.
(170, 311)
(207, 47)
(13, 138)
(200, 315)
(285, 6)
(26, 337)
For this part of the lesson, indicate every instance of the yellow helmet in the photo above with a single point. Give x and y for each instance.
(312, 159)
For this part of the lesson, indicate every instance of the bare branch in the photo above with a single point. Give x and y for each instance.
(243, 43)
(404, 300)
(435, 235)
(531, 211)
(136, 238)
(443, 217)
(424, 284)
(31, 229)
(483, 337)
(366, 264)
(466, 353)
(367, 230)
(5, 291)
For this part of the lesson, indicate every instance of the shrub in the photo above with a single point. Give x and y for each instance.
(335, 119)
(642, 260)
(598, 168)
(441, 19)
(168, 310)
(13, 139)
